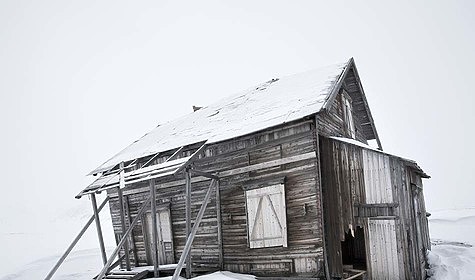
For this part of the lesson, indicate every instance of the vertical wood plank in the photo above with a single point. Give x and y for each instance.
(153, 202)
(132, 237)
(188, 218)
(220, 232)
(122, 216)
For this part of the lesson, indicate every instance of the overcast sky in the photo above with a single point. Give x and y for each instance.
(80, 80)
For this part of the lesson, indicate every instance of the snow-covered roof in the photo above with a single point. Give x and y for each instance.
(269, 104)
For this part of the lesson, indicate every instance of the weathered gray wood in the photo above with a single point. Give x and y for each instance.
(318, 189)
(365, 102)
(101, 188)
(204, 174)
(267, 164)
(132, 238)
(188, 218)
(98, 228)
(336, 87)
(124, 239)
(192, 157)
(75, 241)
(304, 230)
(154, 228)
(220, 231)
(122, 216)
(189, 241)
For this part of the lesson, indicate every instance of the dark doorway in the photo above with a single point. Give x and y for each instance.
(353, 252)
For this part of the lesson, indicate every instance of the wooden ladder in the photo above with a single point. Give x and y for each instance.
(126, 275)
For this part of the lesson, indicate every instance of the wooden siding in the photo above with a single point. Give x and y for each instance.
(343, 186)
(303, 254)
(332, 122)
(413, 232)
(352, 86)
(361, 187)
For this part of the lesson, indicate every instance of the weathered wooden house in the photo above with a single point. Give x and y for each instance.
(278, 180)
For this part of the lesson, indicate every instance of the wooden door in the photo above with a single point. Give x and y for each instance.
(166, 252)
(383, 249)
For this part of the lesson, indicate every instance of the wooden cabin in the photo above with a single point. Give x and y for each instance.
(276, 181)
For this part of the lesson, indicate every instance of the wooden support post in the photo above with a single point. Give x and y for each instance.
(319, 189)
(75, 241)
(98, 227)
(153, 202)
(122, 241)
(188, 217)
(122, 216)
(189, 240)
(220, 233)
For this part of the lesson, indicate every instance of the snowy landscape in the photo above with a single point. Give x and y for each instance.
(452, 255)
(83, 79)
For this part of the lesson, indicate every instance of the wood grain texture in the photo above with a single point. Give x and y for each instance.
(363, 188)
(246, 162)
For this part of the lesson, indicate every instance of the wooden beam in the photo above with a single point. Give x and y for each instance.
(175, 153)
(122, 216)
(189, 240)
(98, 227)
(319, 190)
(192, 157)
(365, 102)
(124, 238)
(336, 88)
(153, 202)
(75, 241)
(267, 164)
(204, 174)
(220, 232)
(188, 217)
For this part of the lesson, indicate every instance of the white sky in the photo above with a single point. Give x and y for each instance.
(80, 80)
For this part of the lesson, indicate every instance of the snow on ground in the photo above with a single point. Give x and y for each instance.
(220, 275)
(80, 265)
(452, 255)
(453, 252)
(26, 244)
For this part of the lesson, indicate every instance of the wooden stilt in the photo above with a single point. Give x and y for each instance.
(153, 202)
(98, 227)
(189, 240)
(122, 216)
(75, 241)
(188, 217)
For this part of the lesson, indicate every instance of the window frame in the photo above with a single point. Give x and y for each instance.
(349, 120)
(262, 196)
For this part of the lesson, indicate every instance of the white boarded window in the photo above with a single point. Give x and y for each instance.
(266, 217)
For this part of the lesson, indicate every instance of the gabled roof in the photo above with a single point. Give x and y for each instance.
(272, 103)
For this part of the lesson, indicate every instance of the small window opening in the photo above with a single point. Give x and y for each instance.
(353, 252)
(348, 115)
